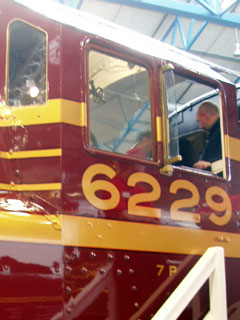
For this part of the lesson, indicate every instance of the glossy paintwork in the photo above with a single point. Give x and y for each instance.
(42, 276)
(132, 273)
(31, 281)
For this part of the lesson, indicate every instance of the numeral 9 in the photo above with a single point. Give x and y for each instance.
(225, 205)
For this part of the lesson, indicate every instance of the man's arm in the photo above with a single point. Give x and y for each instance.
(201, 164)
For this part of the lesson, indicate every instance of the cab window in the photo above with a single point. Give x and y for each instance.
(119, 106)
(193, 135)
(26, 69)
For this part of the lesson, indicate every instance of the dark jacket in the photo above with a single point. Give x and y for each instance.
(212, 150)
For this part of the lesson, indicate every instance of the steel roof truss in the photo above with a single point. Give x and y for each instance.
(187, 44)
(203, 10)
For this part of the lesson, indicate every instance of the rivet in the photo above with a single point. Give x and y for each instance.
(90, 225)
(102, 271)
(227, 239)
(126, 257)
(75, 253)
(68, 269)
(237, 213)
(109, 225)
(84, 270)
(93, 255)
(68, 290)
(67, 258)
(131, 271)
(11, 151)
(134, 288)
(100, 236)
(220, 238)
(136, 305)
(68, 310)
(6, 268)
(119, 272)
(110, 256)
(17, 173)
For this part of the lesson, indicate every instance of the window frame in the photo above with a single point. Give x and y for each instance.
(169, 167)
(115, 50)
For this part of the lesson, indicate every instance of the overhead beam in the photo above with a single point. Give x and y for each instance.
(183, 9)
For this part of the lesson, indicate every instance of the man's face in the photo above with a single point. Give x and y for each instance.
(203, 121)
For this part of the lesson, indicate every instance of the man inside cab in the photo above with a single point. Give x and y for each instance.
(209, 120)
(144, 147)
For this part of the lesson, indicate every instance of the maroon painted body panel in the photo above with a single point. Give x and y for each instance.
(50, 271)
(31, 281)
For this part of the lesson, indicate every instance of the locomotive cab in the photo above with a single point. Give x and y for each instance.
(121, 113)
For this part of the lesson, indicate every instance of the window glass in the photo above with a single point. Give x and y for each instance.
(172, 116)
(26, 83)
(120, 111)
(194, 120)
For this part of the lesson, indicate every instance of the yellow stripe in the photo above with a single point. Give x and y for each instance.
(232, 148)
(113, 234)
(31, 115)
(120, 235)
(74, 113)
(158, 128)
(31, 154)
(55, 111)
(28, 227)
(30, 187)
(83, 115)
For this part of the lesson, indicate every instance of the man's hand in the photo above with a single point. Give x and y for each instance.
(202, 164)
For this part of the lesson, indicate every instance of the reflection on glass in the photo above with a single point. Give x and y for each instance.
(26, 65)
(120, 111)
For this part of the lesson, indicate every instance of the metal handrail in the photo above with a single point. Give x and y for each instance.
(210, 266)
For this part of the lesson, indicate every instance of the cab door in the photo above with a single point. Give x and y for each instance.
(202, 202)
(114, 189)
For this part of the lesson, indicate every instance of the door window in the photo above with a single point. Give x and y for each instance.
(119, 106)
(192, 115)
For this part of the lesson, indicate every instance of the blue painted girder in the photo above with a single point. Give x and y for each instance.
(201, 11)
